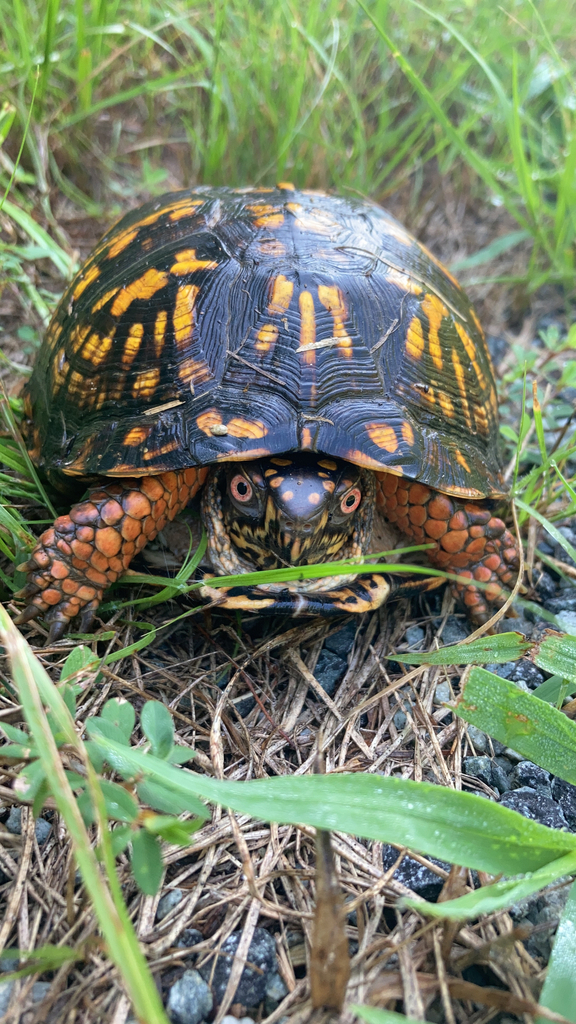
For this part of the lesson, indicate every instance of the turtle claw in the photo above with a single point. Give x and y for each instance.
(29, 613)
(86, 619)
(57, 630)
(30, 590)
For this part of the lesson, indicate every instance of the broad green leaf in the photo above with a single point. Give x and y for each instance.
(559, 992)
(449, 824)
(16, 735)
(521, 721)
(172, 830)
(162, 797)
(106, 727)
(17, 752)
(551, 689)
(556, 653)
(121, 714)
(500, 895)
(486, 650)
(119, 838)
(120, 805)
(146, 861)
(180, 754)
(158, 727)
(80, 658)
(374, 1015)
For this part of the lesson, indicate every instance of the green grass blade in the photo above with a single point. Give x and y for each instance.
(559, 992)
(487, 649)
(374, 1015)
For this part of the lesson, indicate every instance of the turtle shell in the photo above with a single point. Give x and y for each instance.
(225, 324)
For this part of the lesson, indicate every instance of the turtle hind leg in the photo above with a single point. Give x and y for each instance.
(77, 558)
(469, 540)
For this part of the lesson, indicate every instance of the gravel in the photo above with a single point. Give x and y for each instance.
(479, 768)
(252, 985)
(13, 824)
(169, 900)
(342, 642)
(565, 794)
(478, 738)
(415, 636)
(190, 999)
(329, 670)
(442, 693)
(415, 875)
(455, 629)
(528, 774)
(535, 805)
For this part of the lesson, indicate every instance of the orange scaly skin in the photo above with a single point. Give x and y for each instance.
(84, 552)
(470, 541)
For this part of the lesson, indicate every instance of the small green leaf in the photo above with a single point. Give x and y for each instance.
(486, 650)
(556, 653)
(121, 714)
(86, 807)
(119, 838)
(96, 756)
(559, 992)
(16, 735)
(161, 797)
(80, 658)
(521, 721)
(374, 1015)
(172, 830)
(146, 861)
(104, 727)
(30, 779)
(44, 958)
(17, 752)
(180, 754)
(551, 689)
(158, 727)
(120, 805)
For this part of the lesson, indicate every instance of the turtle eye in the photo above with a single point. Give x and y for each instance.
(240, 488)
(351, 500)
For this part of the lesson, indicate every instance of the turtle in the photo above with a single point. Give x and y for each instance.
(300, 359)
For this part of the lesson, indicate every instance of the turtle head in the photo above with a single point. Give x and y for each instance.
(293, 509)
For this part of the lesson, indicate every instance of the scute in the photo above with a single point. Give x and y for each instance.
(220, 324)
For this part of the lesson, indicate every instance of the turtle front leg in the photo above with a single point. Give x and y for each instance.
(84, 552)
(470, 540)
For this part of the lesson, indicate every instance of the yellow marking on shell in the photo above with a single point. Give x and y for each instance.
(186, 209)
(461, 381)
(78, 336)
(266, 216)
(329, 485)
(136, 436)
(287, 495)
(155, 453)
(193, 371)
(97, 348)
(183, 315)
(382, 435)
(318, 221)
(206, 420)
(307, 326)
(493, 401)
(132, 344)
(102, 302)
(470, 352)
(358, 458)
(477, 322)
(271, 247)
(314, 498)
(269, 472)
(415, 339)
(306, 441)
(287, 185)
(407, 433)
(328, 464)
(60, 367)
(435, 310)
(239, 427)
(120, 242)
(332, 299)
(460, 458)
(143, 288)
(281, 462)
(160, 331)
(266, 337)
(77, 382)
(89, 276)
(404, 281)
(446, 405)
(145, 383)
(282, 290)
(481, 419)
(187, 263)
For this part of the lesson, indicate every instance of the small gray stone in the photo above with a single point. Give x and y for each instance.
(229, 1019)
(565, 601)
(40, 990)
(252, 985)
(275, 992)
(14, 821)
(517, 625)
(8, 964)
(567, 621)
(42, 829)
(415, 875)
(479, 738)
(415, 635)
(503, 763)
(479, 768)
(500, 778)
(504, 671)
(528, 774)
(454, 630)
(342, 642)
(442, 693)
(545, 587)
(5, 993)
(400, 720)
(190, 999)
(189, 937)
(565, 794)
(526, 672)
(513, 755)
(329, 669)
(536, 806)
(169, 900)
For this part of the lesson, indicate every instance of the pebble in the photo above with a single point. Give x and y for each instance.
(565, 794)
(229, 1019)
(442, 693)
(275, 992)
(565, 601)
(189, 937)
(528, 774)
(244, 705)
(545, 587)
(329, 669)
(414, 875)
(479, 768)
(400, 720)
(13, 823)
(169, 900)
(342, 642)
(190, 999)
(478, 738)
(536, 806)
(454, 630)
(567, 621)
(414, 635)
(525, 671)
(500, 778)
(504, 671)
(40, 990)
(252, 985)
(5, 993)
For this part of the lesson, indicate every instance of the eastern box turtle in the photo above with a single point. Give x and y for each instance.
(302, 358)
